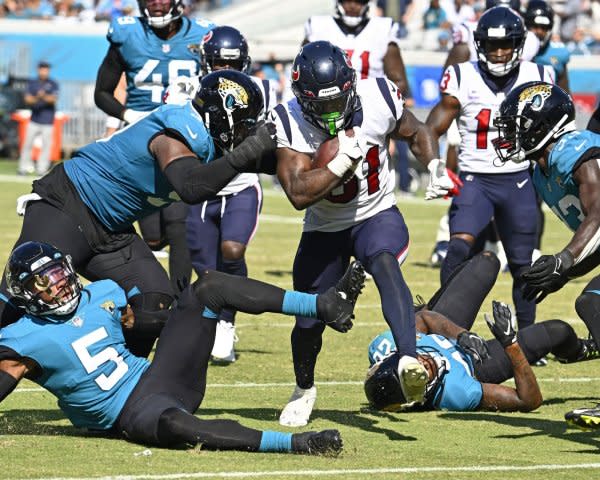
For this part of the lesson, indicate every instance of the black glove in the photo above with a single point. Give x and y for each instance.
(549, 272)
(256, 153)
(474, 345)
(503, 324)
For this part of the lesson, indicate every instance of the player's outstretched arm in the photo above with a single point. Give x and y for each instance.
(107, 80)
(393, 67)
(195, 181)
(11, 373)
(527, 396)
(471, 343)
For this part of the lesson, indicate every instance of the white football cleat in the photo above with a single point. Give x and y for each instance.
(413, 379)
(225, 337)
(297, 412)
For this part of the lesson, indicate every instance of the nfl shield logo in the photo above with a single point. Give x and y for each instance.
(166, 48)
(77, 322)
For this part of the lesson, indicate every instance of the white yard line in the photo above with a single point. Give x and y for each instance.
(325, 384)
(341, 472)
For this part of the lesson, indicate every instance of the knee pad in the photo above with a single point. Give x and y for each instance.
(151, 312)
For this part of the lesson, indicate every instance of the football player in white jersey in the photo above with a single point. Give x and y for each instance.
(371, 43)
(350, 204)
(464, 47)
(220, 229)
(471, 94)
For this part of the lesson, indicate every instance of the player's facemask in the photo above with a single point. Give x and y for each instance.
(160, 13)
(332, 113)
(55, 290)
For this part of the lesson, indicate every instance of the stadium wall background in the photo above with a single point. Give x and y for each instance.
(76, 50)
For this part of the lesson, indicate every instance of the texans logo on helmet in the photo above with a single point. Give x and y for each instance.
(207, 37)
(296, 75)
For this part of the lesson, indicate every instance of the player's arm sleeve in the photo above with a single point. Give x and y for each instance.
(281, 118)
(196, 182)
(450, 82)
(107, 80)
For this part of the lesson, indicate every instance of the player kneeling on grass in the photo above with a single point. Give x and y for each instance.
(464, 370)
(70, 341)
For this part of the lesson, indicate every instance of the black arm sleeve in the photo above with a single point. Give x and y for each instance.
(594, 123)
(107, 80)
(7, 384)
(195, 182)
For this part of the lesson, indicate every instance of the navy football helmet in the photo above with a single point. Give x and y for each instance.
(532, 116)
(224, 47)
(539, 17)
(160, 13)
(324, 83)
(230, 104)
(514, 4)
(382, 385)
(43, 280)
(499, 27)
(352, 21)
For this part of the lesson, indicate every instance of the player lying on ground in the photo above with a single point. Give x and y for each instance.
(537, 123)
(70, 342)
(464, 370)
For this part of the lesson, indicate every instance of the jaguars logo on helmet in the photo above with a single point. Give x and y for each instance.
(233, 94)
(532, 116)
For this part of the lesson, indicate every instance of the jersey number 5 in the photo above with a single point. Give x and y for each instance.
(91, 363)
(147, 79)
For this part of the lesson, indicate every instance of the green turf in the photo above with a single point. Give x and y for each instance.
(36, 441)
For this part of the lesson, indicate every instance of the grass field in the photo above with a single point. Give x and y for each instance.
(36, 441)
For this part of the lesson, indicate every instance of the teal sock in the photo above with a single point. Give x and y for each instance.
(275, 442)
(298, 303)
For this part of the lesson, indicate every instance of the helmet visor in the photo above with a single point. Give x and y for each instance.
(53, 286)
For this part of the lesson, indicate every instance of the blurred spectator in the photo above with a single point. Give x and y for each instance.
(580, 43)
(404, 8)
(568, 12)
(435, 16)
(40, 97)
(111, 9)
(443, 41)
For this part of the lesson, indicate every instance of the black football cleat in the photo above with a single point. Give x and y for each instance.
(584, 418)
(352, 282)
(327, 442)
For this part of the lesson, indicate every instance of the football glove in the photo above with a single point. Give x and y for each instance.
(474, 345)
(548, 274)
(503, 324)
(440, 184)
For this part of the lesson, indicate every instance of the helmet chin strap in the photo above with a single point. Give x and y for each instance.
(558, 130)
(500, 69)
(351, 22)
(165, 20)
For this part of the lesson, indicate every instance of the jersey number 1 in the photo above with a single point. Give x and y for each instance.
(483, 126)
(364, 63)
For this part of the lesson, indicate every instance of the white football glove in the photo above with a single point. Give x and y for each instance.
(181, 90)
(439, 181)
(351, 151)
(131, 116)
(23, 200)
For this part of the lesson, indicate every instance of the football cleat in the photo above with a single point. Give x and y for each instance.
(335, 307)
(352, 282)
(413, 379)
(326, 442)
(298, 409)
(540, 362)
(585, 418)
(589, 351)
(439, 254)
(223, 350)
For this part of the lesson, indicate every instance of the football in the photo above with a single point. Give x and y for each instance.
(327, 151)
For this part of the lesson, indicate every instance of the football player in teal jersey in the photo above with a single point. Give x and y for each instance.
(87, 205)
(151, 51)
(70, 341)
(537, 123)
(539, 19)
(464, 370)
